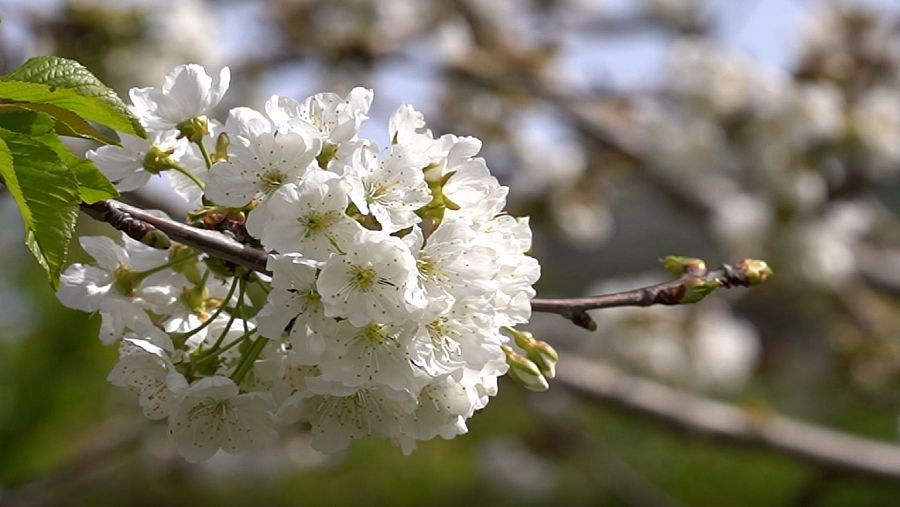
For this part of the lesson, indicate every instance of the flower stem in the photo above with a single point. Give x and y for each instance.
(248, 359)
(212, 353)
(189, 175)
(205, 154)
(240, 306)
(215, 314)
(179, 260)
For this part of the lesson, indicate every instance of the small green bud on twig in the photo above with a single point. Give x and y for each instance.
(696, 289)
(756, 271)
(678, 265)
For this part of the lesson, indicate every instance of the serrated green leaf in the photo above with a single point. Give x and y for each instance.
(93, 185)
(46, 193)
(68, 84)
(67, 123)
(24, 121)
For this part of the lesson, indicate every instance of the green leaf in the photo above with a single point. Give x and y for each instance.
(68, 123)
(46, 193)
(24, 121)
(70, 86)
(93, 185)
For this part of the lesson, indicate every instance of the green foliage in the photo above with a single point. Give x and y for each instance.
(68, 85)
(46, 193)
(43, 99)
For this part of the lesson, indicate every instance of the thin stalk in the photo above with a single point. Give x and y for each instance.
(248, 359)
(215, 314)
(189, 175)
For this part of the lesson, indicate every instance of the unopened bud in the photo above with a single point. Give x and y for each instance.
(545, 357)
(678, 265)
(524, 372)
(696, 289)
(538, 351)
(193, 129)
(222, 142)
(756, 271)
(156, 239)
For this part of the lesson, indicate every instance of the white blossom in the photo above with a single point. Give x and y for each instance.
(337, 119)
(390, 274)
(187, 92)
(147, 370)
(391, 190)
(310, 217)
(126, 165)
(260, 160)
(373, 281)
(212, 414)
(338, 420)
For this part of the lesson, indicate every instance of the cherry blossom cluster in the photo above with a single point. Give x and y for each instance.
(393, 274)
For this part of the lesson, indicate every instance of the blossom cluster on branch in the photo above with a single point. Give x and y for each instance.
(394, 273)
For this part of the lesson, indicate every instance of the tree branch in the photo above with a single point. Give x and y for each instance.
(692, 286)
(139, 223)
(827, 448)
(695, 283)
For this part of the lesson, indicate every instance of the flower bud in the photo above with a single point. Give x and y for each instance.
(678, 265)
(696, 289)
(156, 239)
(537, 351)
(524, 372)
(222, 142)
(545, 357)
(756, 271)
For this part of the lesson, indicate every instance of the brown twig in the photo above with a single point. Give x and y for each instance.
(830, 449)
(139, 224)
(689, 288)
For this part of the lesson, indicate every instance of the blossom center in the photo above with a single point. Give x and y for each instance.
(363, 277)
(375, 334)
(126, 281)
(271, 180)
(316, 223)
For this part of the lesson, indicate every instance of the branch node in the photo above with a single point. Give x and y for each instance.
(582, 319)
